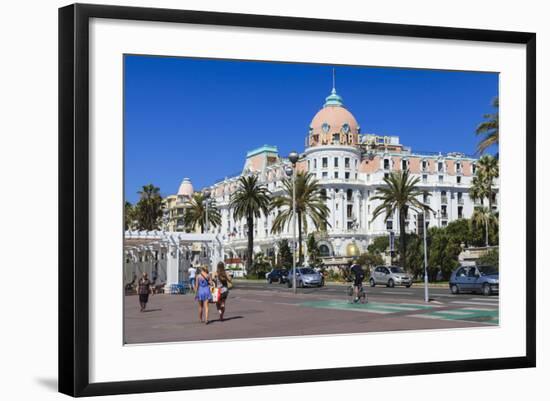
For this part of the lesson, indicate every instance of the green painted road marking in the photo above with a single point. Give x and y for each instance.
(470, 315)
(432, 312)
(374, 307)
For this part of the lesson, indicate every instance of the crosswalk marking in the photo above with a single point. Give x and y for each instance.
(474, 303)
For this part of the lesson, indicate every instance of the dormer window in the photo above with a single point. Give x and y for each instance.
(325, 127)
(345, 128)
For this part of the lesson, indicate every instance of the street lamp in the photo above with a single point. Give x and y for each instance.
(426, 295)
(293, 158)
(207, 194)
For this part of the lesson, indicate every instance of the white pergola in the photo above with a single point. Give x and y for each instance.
(169, 251)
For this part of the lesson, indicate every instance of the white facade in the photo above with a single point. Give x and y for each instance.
(350, 167)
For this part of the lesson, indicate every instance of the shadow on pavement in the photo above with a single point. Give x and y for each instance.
(152, 310)
(225, 319)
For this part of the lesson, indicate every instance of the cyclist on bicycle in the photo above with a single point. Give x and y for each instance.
(359, 275)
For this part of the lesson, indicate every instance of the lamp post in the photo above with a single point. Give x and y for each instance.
(293, 157)
(207, 224)
(426, 295)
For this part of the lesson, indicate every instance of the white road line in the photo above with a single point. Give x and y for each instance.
(284, 303)
(397, 293)
(473, 303)
(486, 299)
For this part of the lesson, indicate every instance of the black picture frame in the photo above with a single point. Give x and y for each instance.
(74, 198)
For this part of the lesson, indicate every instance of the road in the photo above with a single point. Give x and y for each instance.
(259, 310)
(380, 292)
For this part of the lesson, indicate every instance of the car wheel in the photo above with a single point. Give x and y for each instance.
(454, 289)
(391, 284)
(486, 289)
(372, 282)
(408, 286)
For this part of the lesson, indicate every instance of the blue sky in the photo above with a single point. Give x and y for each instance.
(197, 118)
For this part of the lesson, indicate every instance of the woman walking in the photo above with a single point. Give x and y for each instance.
(144, 289)
(202, 291)
(222, 281)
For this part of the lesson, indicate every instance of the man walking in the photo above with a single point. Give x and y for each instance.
(192, 273)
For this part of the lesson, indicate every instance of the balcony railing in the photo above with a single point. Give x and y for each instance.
(444, 199)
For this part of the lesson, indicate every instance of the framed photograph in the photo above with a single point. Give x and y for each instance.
(251, 199)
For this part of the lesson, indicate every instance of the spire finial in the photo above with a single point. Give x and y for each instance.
(333, 79)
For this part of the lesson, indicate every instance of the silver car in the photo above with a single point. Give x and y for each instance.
(390, 276)
(305, 277)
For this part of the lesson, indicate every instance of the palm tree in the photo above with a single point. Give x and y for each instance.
(250, 201)
(487, 171)
(483, 216)
(310, 203)
(129, 216)
(196, 212)
(488, 129)
(399, 194)
(148, 210)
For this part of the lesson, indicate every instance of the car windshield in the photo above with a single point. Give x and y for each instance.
(487, 270)
(396, 270)
(307, 271)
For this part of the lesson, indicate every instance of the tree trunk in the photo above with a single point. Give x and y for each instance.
(250, 250)
(487, 231)
(299, 215)
(402, 245)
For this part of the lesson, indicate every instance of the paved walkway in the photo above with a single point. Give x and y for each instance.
(257, 314)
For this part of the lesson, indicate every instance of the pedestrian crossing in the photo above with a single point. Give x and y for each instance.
(471, 312)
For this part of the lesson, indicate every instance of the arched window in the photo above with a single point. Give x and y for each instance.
(324, 250)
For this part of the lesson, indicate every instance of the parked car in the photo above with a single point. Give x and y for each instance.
(277, 275)
(390, 276)
(305, 277)
(482, 279)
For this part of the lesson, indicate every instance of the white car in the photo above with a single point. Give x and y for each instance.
(390, 276)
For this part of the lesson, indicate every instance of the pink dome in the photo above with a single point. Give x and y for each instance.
(335, 117)
(333, 124)
(186, 188)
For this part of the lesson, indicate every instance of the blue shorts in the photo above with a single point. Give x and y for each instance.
(192, 282)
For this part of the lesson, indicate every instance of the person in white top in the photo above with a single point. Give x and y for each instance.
(192, 273)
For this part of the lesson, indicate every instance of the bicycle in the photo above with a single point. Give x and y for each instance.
(362, 294)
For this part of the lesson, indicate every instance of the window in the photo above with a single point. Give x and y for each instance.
(308, 165)
(386, 175)
(350, 211)
(389, 225)
(440, 179)
(346, 176)
(349, 194)
(460, 212)
(440, 167)
(404, 165)
(424, 178)
(325, 174)
(386, 164)
(325, 162)
(346, 162)
(425, 197)
(336, 174)
(459, 198)
(355, 175)
(335, 162)
(355, 163)
(458, 167)
(336, 138)
(443, 197)
(473, 168)
(444, 211)
(314, 163)
(458, 179)
(424, 165)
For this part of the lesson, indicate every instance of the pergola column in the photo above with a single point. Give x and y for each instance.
(172, 267)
